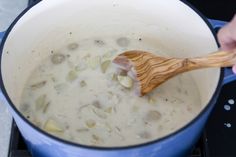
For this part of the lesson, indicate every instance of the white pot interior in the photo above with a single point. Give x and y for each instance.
(171, 26)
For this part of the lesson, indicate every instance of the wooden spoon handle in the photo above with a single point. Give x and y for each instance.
(216, 59)
(174, 66)
(159, 70)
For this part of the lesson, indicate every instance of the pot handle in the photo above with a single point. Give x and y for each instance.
(217, 24)
(229, 76)
(1, 36)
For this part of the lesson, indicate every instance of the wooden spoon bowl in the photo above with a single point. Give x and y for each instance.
(150, 70)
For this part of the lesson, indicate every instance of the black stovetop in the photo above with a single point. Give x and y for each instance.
(218, 138)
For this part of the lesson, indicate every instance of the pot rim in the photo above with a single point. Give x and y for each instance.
(189, 124)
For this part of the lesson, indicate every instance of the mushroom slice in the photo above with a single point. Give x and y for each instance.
(52, 126)
(90, 123)
(58, 58)
(83, 83)
(125, 81)
(122, 42)
(41, 103)
(100, 113)
(99, 42)
(94, 62)
(105, 65)
(73, 46)
(144, 135)
(38, 85)
(152, 115)
(72, 75)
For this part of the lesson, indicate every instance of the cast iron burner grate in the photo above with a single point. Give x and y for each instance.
(17, 146)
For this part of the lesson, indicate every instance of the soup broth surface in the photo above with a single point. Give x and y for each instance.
(75, 94)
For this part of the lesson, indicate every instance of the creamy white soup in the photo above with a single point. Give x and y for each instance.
(77, 95)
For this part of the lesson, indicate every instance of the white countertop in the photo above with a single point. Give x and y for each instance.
(9, 9)
(5, 121)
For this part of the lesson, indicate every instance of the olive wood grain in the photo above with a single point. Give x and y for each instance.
(150, 70)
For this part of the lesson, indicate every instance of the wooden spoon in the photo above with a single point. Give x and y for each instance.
(150, 70)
